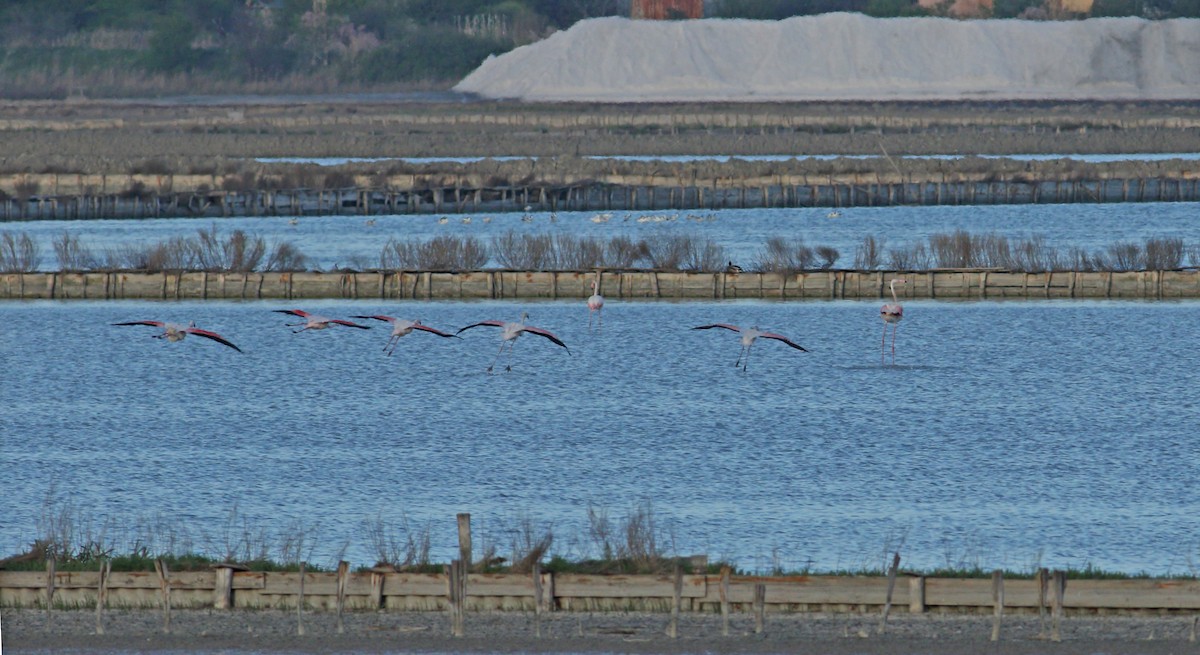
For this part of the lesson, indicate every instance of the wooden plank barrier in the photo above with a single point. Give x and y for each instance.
(624, 284)
(381, 588)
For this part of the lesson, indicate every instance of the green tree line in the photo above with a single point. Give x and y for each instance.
(52, 48)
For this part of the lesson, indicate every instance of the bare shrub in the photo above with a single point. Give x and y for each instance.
(285, 256)
(868, 254)
(913, 257)
(240, 252)
(782, 256)
(1126, 256)
(636, 542)
(400, 546)
(529, 545)
(1033, 254)
(19, 253)
(525, 252)
(72, 255)
(959, 249)
(828, 256)
(578, 253)
(1164, 254)
(623, 252)
(1080, 259)
(681, 252)
(441, 253)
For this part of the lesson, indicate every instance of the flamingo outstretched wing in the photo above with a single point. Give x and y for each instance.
(294, 312)
(426, 328)
(546, 333)
(349, 324)
(154, 323)
(718, 325)
(780, 337)
(379, 317)
(208, 334)
(498, 324)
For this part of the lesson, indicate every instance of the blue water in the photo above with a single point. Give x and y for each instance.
(1008, 434)
(349, 241)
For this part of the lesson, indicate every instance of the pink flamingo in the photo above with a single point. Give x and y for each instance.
(316, 321)
(175, 332)
(509, 337)
(402, 327)
(749, 336)
(891, 313)
(595, 303)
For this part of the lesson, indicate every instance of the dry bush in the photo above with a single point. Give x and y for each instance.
(400, 547)
(72, 255)
(636, 541)
(240, 252)
(1164, 254)
(869, 254)
(19, 253)
(681, 252)
(442, 253)
(285, 256)
(578, 253)
(913, 257)
(782, 256)
(529, 545)
(623, 252)
(828, 256)
(959, 249)
(525, 252)
(1126, 256)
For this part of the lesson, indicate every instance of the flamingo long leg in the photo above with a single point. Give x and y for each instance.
(511, 345)
(746, 360)
(497, 357)
(894, 326)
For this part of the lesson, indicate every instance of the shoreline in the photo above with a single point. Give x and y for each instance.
(596, 632)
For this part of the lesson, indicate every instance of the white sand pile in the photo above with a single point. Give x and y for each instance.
(850, 56)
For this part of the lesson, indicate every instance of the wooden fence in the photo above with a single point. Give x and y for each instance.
(388, 589)
(621, 284)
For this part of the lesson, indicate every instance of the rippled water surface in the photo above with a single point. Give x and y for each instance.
(1060, 433)
(357, 241)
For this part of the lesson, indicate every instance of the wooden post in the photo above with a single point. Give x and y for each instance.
(343, 576)
(760, 606)
(223, 592)
(998, 601)
(1059, 585)
(887, 605)
(1043, 581)
(464, 539)
(456, 588)
(300, 604)
(725, 574)
(676, 599)
(102, 594)
(916, 594)
(377, 578)
(51, 565)
(164, 585)
(537, 599)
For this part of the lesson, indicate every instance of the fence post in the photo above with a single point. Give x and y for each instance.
(300, 603)
(1042, 581)
(998, 601)
(760, 606)
(456, 588)
(725, 573)
(1059, 586)
(343, 575)
(51, 565)
(164, 586)
(916, 594)
(464, 539)
(102, 594)
(676, 599)
(537, 599)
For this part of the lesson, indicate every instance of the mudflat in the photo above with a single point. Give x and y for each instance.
(609, 632)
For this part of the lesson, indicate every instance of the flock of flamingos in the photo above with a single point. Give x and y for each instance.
(891, 313)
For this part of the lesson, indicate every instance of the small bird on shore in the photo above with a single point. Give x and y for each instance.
(174, 332)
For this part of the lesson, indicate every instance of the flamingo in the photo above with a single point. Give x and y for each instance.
(316, 321)
(595, 302)
(402, 327)
(892, 313)
(749, 336)
(509, 337)
(175, 332)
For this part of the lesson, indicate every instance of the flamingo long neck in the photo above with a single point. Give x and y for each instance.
(893, 287)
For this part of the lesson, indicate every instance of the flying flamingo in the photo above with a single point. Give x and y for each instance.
(509, 337)
(316, 321)
(749, 335)
(175, 332)
(892, 313)
(402, 327)
(595, 303)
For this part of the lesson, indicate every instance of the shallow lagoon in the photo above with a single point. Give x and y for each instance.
(1009, 434)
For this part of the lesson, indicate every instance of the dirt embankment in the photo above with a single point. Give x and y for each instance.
(624, 632)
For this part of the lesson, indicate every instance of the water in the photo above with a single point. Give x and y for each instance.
(1009, 434)
(349, 241)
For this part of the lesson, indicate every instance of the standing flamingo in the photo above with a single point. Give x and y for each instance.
(316, 321)
(749, 335)
(402, 327)
(509, 337)
(175, 332)
(892, 313)
(595, 303)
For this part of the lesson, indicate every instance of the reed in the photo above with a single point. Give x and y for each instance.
(18, 253)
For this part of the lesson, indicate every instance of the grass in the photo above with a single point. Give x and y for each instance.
(636, 542)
